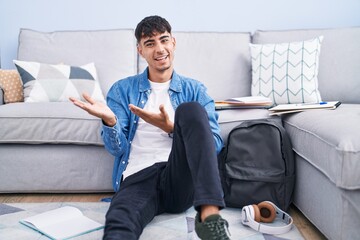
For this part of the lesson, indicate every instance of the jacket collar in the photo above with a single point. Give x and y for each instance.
(144, 85)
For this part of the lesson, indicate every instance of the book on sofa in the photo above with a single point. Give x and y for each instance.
(62, 223)
(244, 102)
(299, 107)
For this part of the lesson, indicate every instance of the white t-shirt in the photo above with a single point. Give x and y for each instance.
(150, 143)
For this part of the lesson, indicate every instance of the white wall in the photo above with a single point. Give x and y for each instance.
(183, 15)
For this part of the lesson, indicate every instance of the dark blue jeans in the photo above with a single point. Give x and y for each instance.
(189, 178)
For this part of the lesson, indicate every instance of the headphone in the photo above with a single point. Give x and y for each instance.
(265, 212)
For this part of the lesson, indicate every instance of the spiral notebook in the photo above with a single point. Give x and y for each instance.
(299, 107)
(62, 223)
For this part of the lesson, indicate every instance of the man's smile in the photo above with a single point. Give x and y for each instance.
(161, 58)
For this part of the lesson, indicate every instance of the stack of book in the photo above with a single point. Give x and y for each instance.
(244, 102)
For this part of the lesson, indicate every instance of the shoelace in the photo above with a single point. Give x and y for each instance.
(218, 228)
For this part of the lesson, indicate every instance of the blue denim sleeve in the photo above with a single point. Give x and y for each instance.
(115, 138)
(213, 117)
(115, 142)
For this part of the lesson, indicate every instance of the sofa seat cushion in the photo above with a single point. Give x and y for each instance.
(329, 140)
(54, 123)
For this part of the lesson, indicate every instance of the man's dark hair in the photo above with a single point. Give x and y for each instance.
(151, 25)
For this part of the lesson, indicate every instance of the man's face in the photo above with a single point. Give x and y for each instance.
(158, 51)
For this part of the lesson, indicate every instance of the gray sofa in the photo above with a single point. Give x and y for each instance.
(56, 147)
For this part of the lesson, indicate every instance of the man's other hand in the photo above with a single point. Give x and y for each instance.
(160, 120)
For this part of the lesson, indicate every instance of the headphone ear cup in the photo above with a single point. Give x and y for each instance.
(257, 216)
(267, 212)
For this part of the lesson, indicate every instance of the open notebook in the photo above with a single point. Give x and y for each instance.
(299, 107)
(62, 223)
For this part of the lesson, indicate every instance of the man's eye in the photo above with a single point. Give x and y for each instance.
(149, 45)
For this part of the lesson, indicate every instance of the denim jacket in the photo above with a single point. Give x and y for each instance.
(136, 90)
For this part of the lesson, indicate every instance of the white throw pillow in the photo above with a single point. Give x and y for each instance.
(286, 72)
(56, 83)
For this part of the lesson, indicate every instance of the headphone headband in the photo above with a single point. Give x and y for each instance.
(248, 215)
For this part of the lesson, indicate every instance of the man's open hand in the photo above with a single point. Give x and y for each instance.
(160, 120)
(96, 109)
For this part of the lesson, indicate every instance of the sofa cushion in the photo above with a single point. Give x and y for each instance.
(339, 64)
(1, 96)
(286, 72)
(219, 60)
(51, 168)
(112, 51)
(329, 140)
(11, 85)
(57, 123)
(56, 83)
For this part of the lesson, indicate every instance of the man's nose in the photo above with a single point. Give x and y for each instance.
(159, 47)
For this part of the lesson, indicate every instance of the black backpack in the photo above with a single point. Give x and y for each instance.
(257, 164)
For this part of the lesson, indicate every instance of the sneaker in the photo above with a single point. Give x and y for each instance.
(213, 228)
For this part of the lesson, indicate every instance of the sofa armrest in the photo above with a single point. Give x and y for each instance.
(1, 96)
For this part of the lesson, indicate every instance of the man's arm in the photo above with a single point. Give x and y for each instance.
(113, 137)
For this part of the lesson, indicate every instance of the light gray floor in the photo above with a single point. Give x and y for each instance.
(163, 227)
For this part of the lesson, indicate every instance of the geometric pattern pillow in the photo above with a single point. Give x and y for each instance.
(11, 84)
(56, 83)
(286, 72)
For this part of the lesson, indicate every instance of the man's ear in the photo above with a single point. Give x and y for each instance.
(139, 49)
(174, 42)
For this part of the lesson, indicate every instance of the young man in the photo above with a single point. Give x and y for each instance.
(162, 129)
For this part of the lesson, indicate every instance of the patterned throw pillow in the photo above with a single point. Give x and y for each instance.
(11, 84)
(286, 72)
(56, 83)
